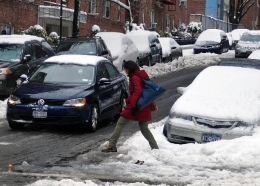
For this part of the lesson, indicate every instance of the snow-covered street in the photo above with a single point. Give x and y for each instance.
(233, 162)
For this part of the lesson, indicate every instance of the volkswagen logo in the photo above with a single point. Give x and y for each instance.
(41, 102)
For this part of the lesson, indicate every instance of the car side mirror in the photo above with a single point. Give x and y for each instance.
(104, 81)
(21, 79)
(104, 52)
(181, 90)
(27, 58)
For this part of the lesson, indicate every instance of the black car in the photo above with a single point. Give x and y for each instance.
(85, 46)
(69, 90)
(20, 54)
(211, 40)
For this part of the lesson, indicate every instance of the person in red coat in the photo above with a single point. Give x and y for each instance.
(130, 113)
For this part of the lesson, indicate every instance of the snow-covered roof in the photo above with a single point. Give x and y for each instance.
(18, 39)
(75, 59)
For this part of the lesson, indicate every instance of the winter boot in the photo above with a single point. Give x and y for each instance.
(110, 149)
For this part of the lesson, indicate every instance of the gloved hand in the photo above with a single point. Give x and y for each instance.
(134, 111)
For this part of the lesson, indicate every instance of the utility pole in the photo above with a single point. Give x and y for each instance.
(75, 28)
(61, 20)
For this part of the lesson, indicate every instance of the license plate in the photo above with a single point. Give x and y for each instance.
(208, 137)
(39, 114)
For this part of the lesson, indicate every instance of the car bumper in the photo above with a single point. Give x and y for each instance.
(184, 131)
(241, 52)
(143, 60)
(204, 50)
(56, 115)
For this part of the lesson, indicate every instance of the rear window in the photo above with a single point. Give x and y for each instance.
(83, 48)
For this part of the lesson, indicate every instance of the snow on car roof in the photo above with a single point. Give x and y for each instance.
(166, 47)
(210, 35)
(76, 59)
(18, 39)
(223, 93)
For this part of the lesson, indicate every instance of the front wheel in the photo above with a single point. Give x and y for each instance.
(16, 126)
(94, 117)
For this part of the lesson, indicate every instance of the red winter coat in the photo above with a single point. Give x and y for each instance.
(135, 89)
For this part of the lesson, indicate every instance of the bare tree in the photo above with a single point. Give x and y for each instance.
(238, 9)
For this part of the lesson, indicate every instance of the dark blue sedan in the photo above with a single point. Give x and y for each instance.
(68, 90)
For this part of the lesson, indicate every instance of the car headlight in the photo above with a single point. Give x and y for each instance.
(13, 100)
(5, 71)
(80, 102)
(143, 54)
(178, 115)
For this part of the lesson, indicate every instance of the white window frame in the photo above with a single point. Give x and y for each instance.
(92, 6)
(106, 7)
(143, 18)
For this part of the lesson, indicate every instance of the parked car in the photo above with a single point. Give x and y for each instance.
(149, 47)
(69, 90)
(230, 40)
(20, 54)
(236, 35)
(211, 40)
(170, 49)
(255, 55)
(219, 104)
(249, 42)
(85, 46)
(122, 48)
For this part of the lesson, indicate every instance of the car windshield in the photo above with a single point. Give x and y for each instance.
(84, 48)
(10, 52)
(250, 37)
(64, 73)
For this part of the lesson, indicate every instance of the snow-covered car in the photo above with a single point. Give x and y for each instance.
(121, 47)
(170, 49)
(230, 40)
(149, 47)
(236, 35)
(249, 42)
(255, 55)
(211, 40)
(221, 103)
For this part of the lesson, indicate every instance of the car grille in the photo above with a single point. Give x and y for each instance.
(214, 124)
(47, 101)
(49, 120)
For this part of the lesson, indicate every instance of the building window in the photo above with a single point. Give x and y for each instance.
(118, 13)
(107, 9)
(167, 23)
(92, 6)
(162, 22)
(152, 19)
(143, 14)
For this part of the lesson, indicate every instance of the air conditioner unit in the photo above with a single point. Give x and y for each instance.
(154, 25)
(182, 3)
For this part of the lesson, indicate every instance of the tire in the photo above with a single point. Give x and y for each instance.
(165, 130)
(160, 59)
(16, 126)
(149, 61)
(94, 118)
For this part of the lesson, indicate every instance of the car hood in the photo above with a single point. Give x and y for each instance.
(221, 109)
(52, 91)
(4, 64)
(249, 44)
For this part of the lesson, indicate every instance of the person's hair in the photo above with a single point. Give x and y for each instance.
(131, 66)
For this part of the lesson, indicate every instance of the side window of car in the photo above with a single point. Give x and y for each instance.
(28, 49)
(101, 72)
(39, 53)
(102, 45)
(112, 71)
(47, 48)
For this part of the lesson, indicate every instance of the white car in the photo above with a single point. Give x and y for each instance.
(221, 103)
(121, 47)
(170, 49)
